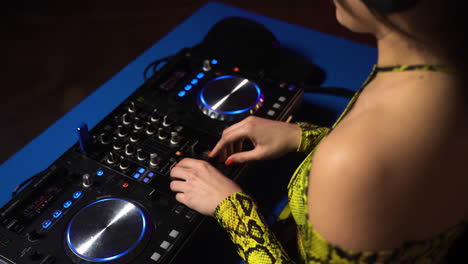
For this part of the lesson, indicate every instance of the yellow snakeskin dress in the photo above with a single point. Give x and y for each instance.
(256, 244)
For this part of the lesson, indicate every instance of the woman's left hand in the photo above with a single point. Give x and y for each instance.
(200, 186)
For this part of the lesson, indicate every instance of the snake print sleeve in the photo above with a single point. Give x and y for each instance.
(255, 242)
(311, 136)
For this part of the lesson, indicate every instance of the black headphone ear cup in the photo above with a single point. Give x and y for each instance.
(242, 42)
(390, 6)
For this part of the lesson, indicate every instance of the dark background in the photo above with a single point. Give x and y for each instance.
(55, 53)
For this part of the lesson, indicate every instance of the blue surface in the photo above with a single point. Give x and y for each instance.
(346, 63)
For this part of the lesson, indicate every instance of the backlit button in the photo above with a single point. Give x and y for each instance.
(165, 245)
(46, 223)
(57, 214)
(156, 256)
(282, 99)
(271, 112)
(67, 204)
(136, 175)
(150, 174)
(276, 106)
(174, 233)
(141, 170)
(146, 180)
(77, 194)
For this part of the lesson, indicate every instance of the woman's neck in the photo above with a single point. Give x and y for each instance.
(395, 49)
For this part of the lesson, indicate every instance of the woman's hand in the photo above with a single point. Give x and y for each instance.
(271, 139)
(200, 186)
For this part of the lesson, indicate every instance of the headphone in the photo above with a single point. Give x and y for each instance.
(390, 6)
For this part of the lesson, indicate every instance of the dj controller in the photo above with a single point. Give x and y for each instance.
(107, 199)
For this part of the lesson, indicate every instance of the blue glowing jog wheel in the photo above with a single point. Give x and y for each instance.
(228, 98)
(107, 231)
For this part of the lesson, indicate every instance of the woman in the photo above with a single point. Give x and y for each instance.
(387, 179)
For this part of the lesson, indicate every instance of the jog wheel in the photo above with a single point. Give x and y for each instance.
(229, 98)
(109, 230)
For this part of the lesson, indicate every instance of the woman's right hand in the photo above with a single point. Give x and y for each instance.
(271, 139)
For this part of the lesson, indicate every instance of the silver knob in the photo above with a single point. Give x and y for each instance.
(175, 139)
(87, 180)
(154, 159)
(206, 65)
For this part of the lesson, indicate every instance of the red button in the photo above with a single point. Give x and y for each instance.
(125, 184)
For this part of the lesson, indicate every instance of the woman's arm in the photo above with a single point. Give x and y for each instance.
(255, 242)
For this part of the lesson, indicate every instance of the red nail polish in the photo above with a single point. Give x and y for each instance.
(210, 154)
(229, 162)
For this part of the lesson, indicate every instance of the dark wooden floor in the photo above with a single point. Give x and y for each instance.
(58, 53)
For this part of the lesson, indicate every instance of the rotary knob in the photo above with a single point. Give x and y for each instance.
(111, 158)
(122, 131)
(131, 107)
(154, 160)
(104, 138)
(150, 130)
(129, 149)
(162, 134)
(229, 98)
(134, 137)
(141, 155)
(127, 119)
(124, 165)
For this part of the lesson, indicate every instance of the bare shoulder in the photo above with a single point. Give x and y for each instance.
(376, 181)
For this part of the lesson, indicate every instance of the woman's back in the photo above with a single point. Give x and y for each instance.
(410, 126)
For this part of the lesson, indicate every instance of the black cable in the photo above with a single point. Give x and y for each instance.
(154, 66)
(25, 182)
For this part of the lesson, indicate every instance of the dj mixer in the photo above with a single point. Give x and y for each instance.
(107, 199)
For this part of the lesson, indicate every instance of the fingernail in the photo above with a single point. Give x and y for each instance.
(229, 162)
(210, 154)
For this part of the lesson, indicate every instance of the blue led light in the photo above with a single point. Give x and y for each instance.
(214, 62)
(202, 99)
(136, 175)
(181, 94)
(194, 81)
(188, 87)
(146, 180)
(57, 214)
(150, 175)
(100, 173)
(67, 204)
(141, 170)
(137, 242)
(200, 75)
(77, 194)
(46, 223)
